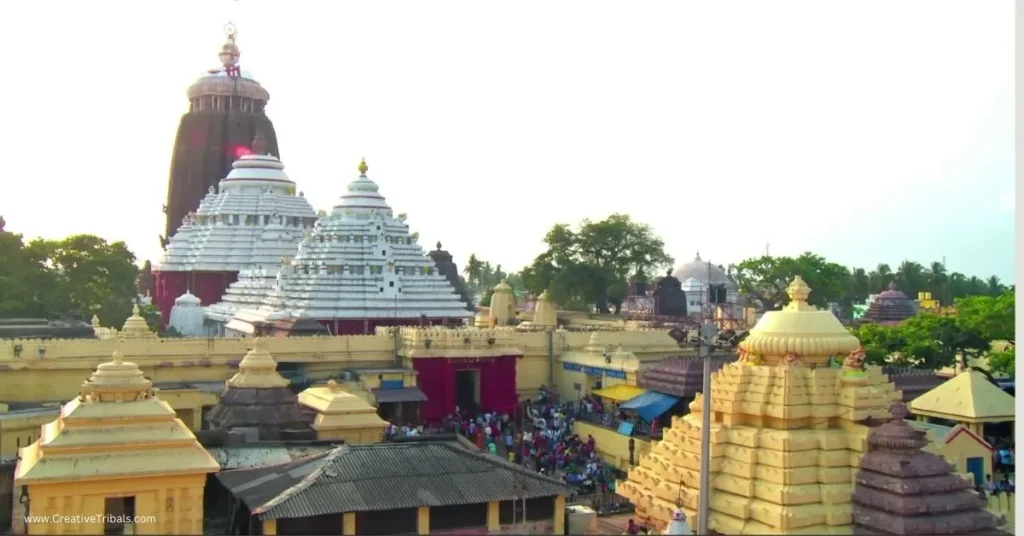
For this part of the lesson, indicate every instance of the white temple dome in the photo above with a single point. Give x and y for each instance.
(187, 299)
(698, 269)
(361, 196)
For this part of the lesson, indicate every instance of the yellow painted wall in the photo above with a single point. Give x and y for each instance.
(56, 373)
(1003, 504)
(612, 446)
(352, 436)
(163, 504)
(962, 447)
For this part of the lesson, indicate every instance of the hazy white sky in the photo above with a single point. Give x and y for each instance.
(867, 131)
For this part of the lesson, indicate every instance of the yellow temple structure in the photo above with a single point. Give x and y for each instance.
(116, 459)
(343, 416)
(787, 432)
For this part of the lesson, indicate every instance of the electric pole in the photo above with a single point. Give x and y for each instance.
(708, 330)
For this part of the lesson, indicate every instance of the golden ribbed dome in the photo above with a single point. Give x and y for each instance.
(136, 327)
(117, 381)
(503, 287)
(801, 329)
(257, 370)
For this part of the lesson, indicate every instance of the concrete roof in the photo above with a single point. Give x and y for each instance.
(968, 397)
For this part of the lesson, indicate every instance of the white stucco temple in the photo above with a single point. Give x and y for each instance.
(357, 268)
(248, 224)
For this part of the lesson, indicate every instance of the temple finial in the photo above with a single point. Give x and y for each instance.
(697, 258)
(135, 310)
(229, 52)
(798, 290)
(439, 245)
(118, 358)
(363, 167)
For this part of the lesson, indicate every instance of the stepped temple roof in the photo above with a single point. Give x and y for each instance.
(258, 397)
(359, 262)
(890, 307)
(116, 428)
(903, 490)
(680, 376)
(339, 409)
(446, 266)
(912, 382)
(136, 327)
(967, 397)
(787, 432)
(253, 220)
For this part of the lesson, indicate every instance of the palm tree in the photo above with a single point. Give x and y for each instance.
(860, 285)
(911, 277)
(880, 277)
(995, 287)
(957, 287)
(472, 270)
(939, 282)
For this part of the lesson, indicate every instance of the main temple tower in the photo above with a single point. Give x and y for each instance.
(226, 111)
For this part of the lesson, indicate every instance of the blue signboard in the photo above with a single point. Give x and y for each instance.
(594, 371)
(392, 384)
(626, 428)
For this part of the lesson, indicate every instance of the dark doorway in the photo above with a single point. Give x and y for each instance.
(467, 389)
(119, 515)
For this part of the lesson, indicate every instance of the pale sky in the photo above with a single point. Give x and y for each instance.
(866, 131)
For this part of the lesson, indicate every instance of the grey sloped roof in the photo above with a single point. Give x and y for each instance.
(384, 476)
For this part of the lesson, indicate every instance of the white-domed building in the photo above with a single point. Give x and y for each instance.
(253, 220)
(187, 316)
(357, 269)
(696, 277)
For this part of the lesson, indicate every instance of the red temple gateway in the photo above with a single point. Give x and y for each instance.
(472, 369)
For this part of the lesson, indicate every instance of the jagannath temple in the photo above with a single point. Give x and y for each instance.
(227, 108)
(250, 221)
(788, 434)
(358, 268)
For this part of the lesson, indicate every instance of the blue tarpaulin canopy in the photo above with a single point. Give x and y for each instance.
(650, 405)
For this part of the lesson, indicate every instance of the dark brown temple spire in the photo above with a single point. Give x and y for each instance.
(901, 489)
(259, 143)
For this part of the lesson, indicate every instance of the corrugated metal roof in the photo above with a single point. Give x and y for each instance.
(385, 476)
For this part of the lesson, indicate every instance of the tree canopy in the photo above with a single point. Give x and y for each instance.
(931, 341)
(765, 279)
(590, 267)
(81, 274)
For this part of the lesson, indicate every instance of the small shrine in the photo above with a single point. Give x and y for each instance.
(136, 327)
(787, 432)
(901, 489)
(503, 305)
(257, 398)
(890, 306)
(343, 416)
(116, 450)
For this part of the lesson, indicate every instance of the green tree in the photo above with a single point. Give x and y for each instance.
(993, 318)
(27, 280)
(592, 265)
(766, 279)
(473, 269)
(94, 277)
(152, 316)
(925, 341)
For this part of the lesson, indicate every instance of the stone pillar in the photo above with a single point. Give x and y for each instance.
(493, 516)
(269, 527)
(348, 527)
(559, 527)
(423, 520)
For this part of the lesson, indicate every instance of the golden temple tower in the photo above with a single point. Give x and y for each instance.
(135, 327)
(116, 459)
(503, 305)
(786, 436)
